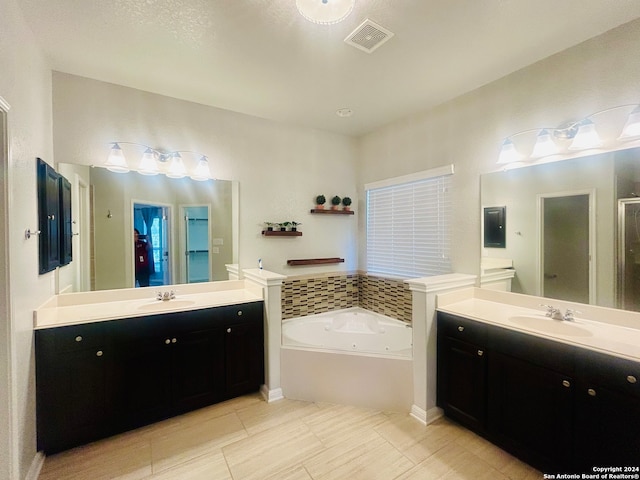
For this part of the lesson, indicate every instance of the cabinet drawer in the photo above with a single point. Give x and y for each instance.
(462, 329)
(611, 372)
(73, 338)
(535, 350)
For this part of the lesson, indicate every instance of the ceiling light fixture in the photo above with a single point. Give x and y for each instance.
(154, 161)
(583, 135)
(325, 12)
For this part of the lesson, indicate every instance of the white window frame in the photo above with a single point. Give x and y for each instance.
(393, 250)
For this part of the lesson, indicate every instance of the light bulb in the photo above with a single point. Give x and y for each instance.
(508, 153)
(116, 161)
(148, 164)
(176, 168)
(586, 137)
(544, 146)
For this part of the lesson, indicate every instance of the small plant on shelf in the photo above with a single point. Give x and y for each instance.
(284, 225)
(335, 201)
(294, 225)
(320, 201)
(270, 226)
(346, 201)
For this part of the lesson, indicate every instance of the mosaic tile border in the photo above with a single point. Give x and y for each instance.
(308, 295)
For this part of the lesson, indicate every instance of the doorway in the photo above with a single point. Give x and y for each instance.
(196, 239)
(566, 242)
(152, 223)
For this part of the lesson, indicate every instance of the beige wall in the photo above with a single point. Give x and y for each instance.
(25, 84)
(468, 131)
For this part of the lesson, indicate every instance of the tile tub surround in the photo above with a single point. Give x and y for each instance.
(308, 295)
(611, 331)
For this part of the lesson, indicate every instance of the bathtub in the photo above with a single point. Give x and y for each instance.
(352, 357)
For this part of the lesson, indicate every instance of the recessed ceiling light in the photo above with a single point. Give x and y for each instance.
(344, 112)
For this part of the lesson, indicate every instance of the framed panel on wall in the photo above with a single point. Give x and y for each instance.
(494, 225)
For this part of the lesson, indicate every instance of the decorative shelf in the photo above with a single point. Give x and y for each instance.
(332, 212)
(278, 233)
(315, 261)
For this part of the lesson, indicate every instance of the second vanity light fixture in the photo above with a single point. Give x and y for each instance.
(152, 158)
(582, 134)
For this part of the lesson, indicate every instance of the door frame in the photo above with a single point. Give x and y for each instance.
(540, 198)
(172, 239)
(182, 247)
(7, 400)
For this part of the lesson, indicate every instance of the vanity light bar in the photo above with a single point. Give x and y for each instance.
(583, 135)
(152, 158)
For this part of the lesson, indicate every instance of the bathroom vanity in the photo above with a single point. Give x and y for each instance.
(103, 376)
(562, 396)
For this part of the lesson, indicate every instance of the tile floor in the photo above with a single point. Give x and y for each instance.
(247, 438)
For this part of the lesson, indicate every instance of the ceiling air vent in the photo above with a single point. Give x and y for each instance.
(368, 36)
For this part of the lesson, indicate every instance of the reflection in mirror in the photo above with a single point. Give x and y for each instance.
(605, 178)
(111, 205)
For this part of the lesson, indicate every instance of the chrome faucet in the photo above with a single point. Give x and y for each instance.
(166, 296)
(556, 313)
(553, 312)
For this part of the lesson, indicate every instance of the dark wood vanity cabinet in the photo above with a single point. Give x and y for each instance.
(135, 371)
(462, 371)
(607, 414)
(73, 367)
(557, 407)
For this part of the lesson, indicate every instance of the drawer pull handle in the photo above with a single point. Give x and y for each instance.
(631, 379)
(239, 313)
(79, 338)
(480, 353)
(167, 341)
(591, 392)
(229, 330)
(566, 383)
(99, 353)
(174, 340)
(461, 328)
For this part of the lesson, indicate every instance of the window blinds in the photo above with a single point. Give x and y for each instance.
(408, 227)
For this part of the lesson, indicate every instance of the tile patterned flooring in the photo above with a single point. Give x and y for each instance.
(247, 438)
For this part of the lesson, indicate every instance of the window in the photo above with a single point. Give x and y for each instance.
(408, 224)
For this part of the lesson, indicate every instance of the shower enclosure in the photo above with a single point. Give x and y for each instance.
(629, 254)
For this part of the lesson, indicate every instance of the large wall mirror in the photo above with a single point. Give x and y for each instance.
(188, 229)
(572, 232)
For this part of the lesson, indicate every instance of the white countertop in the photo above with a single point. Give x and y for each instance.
(86, 307)
(606, 330)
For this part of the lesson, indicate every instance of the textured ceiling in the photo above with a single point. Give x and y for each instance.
(260, 57)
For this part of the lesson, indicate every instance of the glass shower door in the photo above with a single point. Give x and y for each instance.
(629, 254)
(196, 220)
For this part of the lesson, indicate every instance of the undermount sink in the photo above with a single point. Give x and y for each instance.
(159, 306)
(548, 325)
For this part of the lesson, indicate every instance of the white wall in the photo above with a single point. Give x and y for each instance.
(280, 168)
(468, 131)
(25, 83)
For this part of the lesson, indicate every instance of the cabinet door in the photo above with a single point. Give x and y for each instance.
(144, 382)
(244, 359)
(198, 369)
(530, 411)
(48, 216)
(607, 411)
(73, 403)
(462, 382)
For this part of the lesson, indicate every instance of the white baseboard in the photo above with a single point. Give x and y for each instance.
(36, 466)
(271, 395)
(425, 417)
